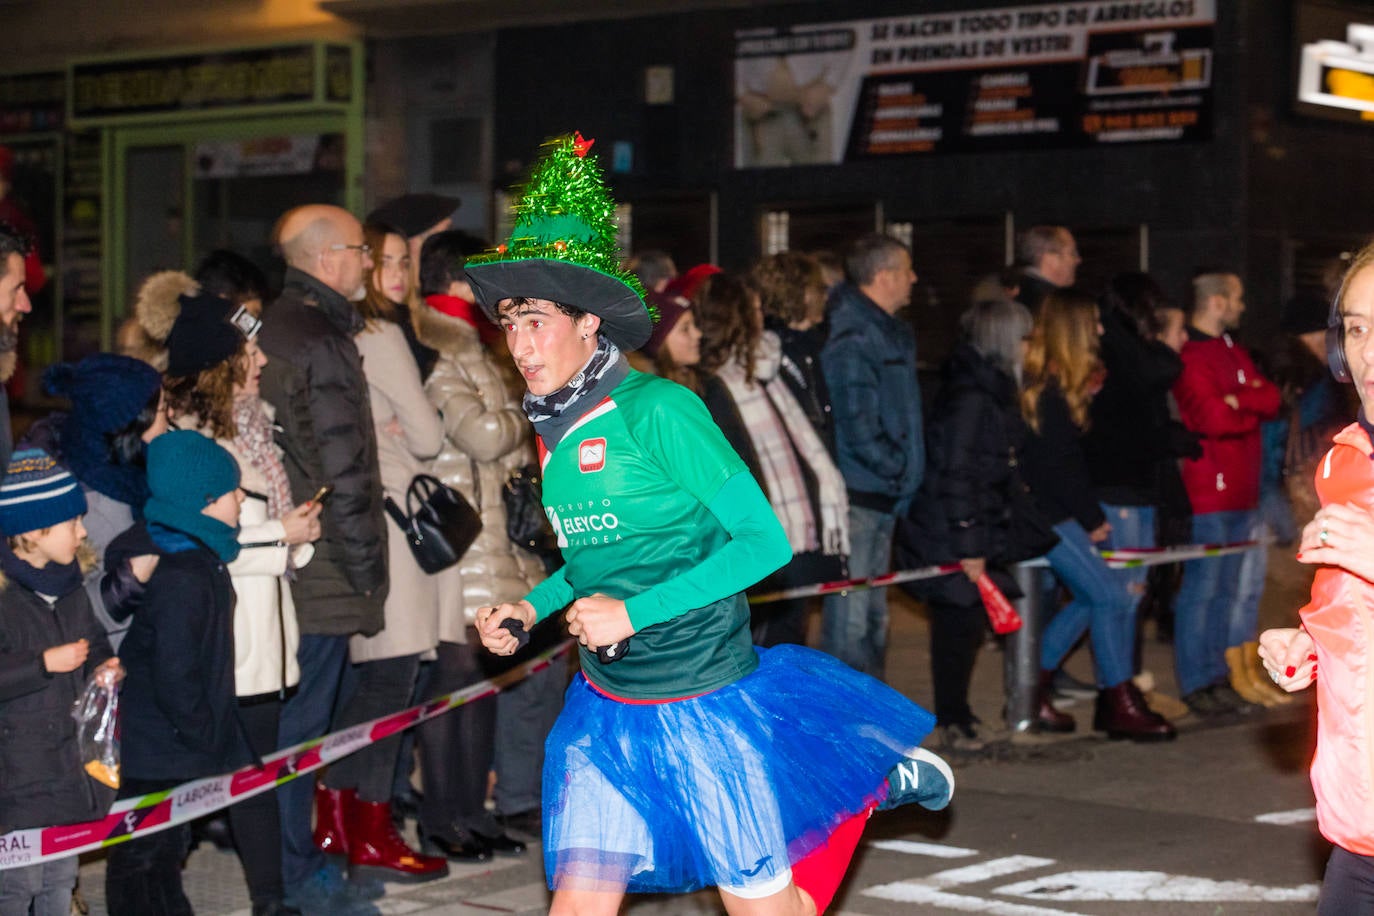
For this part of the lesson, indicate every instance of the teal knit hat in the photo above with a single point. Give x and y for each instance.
(188, 471)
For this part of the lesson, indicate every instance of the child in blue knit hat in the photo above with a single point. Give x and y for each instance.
(178, 713)
(50, 644)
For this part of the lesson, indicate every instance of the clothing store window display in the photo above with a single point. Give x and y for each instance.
(689, 758)
(1332, 646)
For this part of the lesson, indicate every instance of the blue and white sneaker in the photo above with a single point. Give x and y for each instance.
(922, 778)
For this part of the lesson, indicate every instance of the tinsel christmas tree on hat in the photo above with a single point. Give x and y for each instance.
(563, 247)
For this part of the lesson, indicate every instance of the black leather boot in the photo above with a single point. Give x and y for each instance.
(1047, 717)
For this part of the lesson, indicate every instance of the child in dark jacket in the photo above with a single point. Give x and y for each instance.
(50, 643)
(178, 714)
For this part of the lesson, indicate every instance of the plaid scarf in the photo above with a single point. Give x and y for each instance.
(255, 442)
(780, 433)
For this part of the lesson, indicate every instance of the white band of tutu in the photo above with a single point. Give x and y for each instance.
(765, 889)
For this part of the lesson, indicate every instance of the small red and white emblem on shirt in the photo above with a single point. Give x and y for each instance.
(591, 455)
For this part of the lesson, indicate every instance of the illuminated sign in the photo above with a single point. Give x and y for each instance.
(1340, 73)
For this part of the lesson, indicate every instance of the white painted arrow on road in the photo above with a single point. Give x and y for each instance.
(1153, 886)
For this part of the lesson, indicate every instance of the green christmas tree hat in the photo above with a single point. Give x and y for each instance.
(563, 248)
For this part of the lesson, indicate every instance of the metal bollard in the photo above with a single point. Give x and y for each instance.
(1021, 655)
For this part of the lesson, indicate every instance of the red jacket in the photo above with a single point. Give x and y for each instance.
(1226, 477)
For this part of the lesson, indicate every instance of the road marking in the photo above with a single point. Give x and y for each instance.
(1296, 816)
(913, 848)
(910, 892)
(1153, 886)
(984, 871)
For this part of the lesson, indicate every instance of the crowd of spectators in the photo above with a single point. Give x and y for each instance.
(239, 453)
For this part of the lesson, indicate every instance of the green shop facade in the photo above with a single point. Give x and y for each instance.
(132, 164)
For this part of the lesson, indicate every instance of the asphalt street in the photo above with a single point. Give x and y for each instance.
(1217, 822)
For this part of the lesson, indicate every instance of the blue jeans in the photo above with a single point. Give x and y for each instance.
(854, 625)
(305, 715)
(46, 886)
(1207, 600)
(1132, 527)
(1242, 625)
(1100, 607)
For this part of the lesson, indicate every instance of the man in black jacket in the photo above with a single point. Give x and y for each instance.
(314, 379)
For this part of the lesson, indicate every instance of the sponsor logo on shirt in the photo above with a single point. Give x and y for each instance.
(591, 455)
(581, 524)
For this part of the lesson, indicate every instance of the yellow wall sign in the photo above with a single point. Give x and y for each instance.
(251, 78)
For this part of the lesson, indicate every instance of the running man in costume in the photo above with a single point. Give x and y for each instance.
(686, 757)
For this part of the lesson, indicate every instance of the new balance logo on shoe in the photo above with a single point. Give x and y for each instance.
(923, 779)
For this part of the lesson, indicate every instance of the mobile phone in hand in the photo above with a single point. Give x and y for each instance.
(322, 493)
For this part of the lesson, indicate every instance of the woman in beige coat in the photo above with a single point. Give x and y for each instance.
(486, 438)
(385, 666)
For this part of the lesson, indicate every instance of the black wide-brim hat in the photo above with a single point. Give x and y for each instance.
(414, 214)
(624, 318)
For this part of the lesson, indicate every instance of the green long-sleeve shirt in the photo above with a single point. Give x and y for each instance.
(652, 506)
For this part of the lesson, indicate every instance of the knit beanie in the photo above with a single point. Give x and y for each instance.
(187, 470)
(107, 391)
(208, 330)
(413, 214)
(37, 492)
(671, 307)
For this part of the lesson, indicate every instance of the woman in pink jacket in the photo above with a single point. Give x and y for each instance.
(1337, 632)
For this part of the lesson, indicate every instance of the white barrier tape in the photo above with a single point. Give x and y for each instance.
(147, 814)
(1127, 558)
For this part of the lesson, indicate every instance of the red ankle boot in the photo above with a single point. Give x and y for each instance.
(331, 833)
(1046, 716)
(1123, 713)
(376, 850)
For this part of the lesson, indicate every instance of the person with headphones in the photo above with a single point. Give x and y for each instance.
(1335, 634)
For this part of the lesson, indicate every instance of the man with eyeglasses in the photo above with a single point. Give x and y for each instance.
(1051, 260)
(314, 380)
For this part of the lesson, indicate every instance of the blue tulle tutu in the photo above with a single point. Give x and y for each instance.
(728, 789)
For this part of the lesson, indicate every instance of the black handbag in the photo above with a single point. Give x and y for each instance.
(438, 522)
(526, 524)
(1029, 534)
